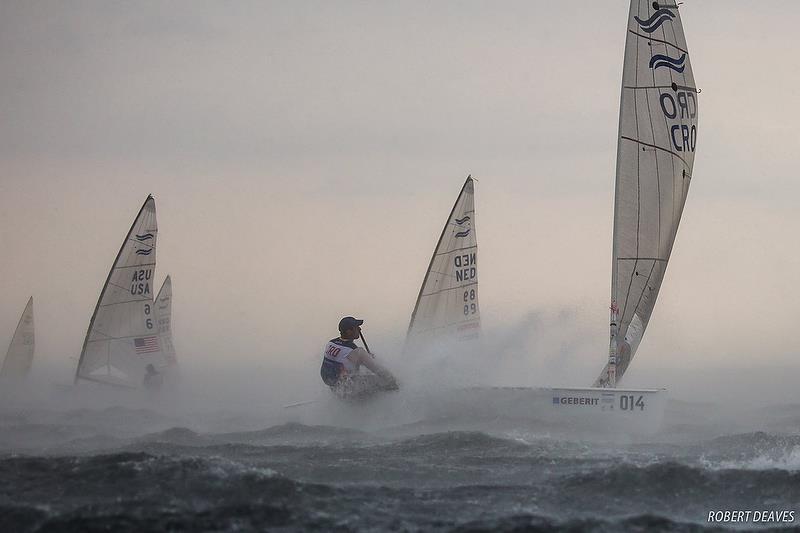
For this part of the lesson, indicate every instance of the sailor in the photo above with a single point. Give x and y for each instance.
(152, 379)
(342, 359)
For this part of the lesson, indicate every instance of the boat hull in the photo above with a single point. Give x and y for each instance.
(592, 409)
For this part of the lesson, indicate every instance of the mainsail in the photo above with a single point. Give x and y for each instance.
(19, 357)
(447, 305)
(123, 334)
(655, 155)
(164, 313)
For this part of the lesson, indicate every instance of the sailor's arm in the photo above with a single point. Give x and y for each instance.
(363, 357)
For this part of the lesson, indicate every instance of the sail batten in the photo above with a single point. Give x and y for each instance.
(447, 303)
(655, 157)
(122, 338)
(19, 357)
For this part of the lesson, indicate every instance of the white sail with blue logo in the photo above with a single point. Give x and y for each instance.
(164, 313)
(447, 304)
(19, 356)
(655, 156)
(123, 336)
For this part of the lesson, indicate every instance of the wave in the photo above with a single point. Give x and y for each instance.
(532, 522)
(457, 441)
(753, 451)
(670, 480)
(296, 434)
(177, 435)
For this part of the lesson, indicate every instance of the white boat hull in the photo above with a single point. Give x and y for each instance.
(616, 410)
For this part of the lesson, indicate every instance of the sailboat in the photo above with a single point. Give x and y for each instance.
(655, 157)
(19, 356)
(447, 304)
(164, 313)
(123, 335)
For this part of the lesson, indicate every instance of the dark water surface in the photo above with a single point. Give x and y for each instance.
(122, 469)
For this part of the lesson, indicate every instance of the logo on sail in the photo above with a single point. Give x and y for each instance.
(145, 237)
(460, 221)
(661, 60)
(144, 252)
(146, 345)
(463, 233)
(654, 22)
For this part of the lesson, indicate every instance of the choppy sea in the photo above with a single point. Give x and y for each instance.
(143, 469)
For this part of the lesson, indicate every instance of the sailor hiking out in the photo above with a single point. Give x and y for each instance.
(342, 360)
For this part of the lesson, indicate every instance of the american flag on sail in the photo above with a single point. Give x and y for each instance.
(146, 345)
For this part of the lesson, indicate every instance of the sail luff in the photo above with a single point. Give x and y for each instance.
(433, 255)
(103, 291)
(613, 313)
(19, 356)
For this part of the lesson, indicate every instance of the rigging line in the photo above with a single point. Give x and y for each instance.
(148, 334)
(151, 246)
(125, 302)
(117, 286)
(650, 38)
(641, 259)
(656, 147)
(673, 87)
(458, 249)
(133, 266)
(449, 289)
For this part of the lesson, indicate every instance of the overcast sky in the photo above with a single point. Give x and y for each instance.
(304, 156)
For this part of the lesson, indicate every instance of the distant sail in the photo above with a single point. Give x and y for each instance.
(19, 357)
(123, 333)
(655, 156)
(447, 304)
(164, 314)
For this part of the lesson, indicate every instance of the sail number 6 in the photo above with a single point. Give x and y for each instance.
(627, 403)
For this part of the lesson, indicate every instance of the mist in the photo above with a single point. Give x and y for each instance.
(303, 159)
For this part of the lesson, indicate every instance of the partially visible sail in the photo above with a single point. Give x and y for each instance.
(447, 304)
(655, 156)
(123, 334)
(19, 357)
(164, 314)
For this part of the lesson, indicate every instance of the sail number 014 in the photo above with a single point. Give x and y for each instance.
(470, 307)
(627, 403)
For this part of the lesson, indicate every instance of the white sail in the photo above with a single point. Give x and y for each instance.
(447, 305)
(655, 156)
(164, 314)
(19, 357)
(123, 333)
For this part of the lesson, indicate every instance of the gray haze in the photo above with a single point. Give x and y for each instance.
(304, 155)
